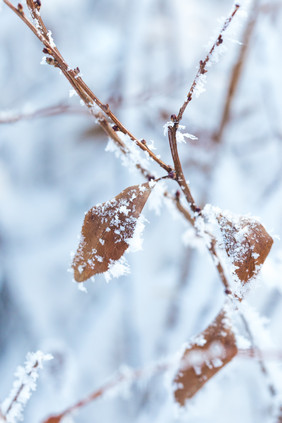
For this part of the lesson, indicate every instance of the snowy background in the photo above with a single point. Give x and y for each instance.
(140, 57)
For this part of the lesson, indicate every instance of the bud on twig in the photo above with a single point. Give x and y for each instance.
(46, 50)
(51, 61)
(202, 67)
(37, 4)
(20, 8)
(105, 108)
(219, 40)
(172, 174)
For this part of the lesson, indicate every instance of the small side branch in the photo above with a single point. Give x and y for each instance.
(179, 175)
(72, 75)
(135, 375)
(58, 109)
(203, 64)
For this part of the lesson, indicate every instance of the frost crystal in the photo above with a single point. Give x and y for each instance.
(26, 377)
(81, 287)
(134, 157)
(51, 41)
(156, 199)
(166, 126)
(135, 243)
(200, 86)
(43, 61)
(116, 269)
(180, 137)
(191, 239)
(72, 93)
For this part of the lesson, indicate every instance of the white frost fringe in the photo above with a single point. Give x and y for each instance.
(25, 382)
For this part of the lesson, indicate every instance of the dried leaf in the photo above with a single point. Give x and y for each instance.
(106, 230)
(210, 352)
(247, 244)
(53, 419)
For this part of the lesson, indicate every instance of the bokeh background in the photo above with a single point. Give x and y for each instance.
(140, 57)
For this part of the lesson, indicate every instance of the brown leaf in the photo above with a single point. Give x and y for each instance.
(106, 230)
(209, 353)
(247, 244)
(53, 419)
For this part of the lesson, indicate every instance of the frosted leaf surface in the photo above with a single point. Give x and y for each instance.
(117, 269)
(204, 357)
(244, 240)
(106, 232)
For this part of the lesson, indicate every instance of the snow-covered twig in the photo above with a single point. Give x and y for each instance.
(201, 74)
(26, 377)
(55, 59)
(126, 377)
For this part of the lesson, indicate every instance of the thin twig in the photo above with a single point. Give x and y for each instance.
(2, 417)
(115, 381)
(135, 375)
(179, 175)
(57, 109)
(90, 99)
(237, 71)
(219, 267)
(21, 387)
(271, 388)
(203, 63)
(84, 92)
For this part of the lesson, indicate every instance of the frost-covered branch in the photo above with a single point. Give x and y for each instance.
(7, 117)
(123, 380)
(26, 378)
(55, 59)
(200, 77)
(179, 175)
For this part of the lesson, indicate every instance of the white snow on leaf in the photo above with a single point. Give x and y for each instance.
(135, 243)
(117, 268)
(211, 222)
(200, 340)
